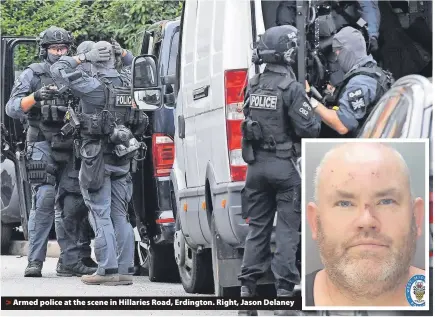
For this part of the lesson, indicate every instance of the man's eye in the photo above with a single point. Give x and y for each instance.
(344, 203)
(386, 201)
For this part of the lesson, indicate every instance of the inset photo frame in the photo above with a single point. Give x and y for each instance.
(365, 224)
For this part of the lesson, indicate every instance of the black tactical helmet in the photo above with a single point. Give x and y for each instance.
(278, 45)
(55, 35)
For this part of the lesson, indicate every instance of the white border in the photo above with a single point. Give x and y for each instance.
(303, 225)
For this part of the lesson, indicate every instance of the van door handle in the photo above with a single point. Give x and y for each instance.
(200, 93)
(181, 127)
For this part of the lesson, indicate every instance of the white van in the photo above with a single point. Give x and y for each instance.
(209, 172)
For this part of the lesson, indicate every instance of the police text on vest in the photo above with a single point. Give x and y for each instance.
(263, 102)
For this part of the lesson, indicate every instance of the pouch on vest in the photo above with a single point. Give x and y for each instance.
(92, 171)
(284, 150)
(62, 148)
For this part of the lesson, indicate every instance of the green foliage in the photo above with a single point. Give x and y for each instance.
(86, 19)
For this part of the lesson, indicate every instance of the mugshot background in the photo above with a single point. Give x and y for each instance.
(414, 155)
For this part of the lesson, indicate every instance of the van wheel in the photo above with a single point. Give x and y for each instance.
(162, 266)
(141, 259)
(195, 268)
(219, 290)
(6, 235)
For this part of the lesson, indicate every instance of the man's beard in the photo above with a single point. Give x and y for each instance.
(367, 274)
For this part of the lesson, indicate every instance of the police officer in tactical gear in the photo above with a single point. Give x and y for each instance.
(277, 115)
(107, 149)
(71, 218)
(73, 230)
(363, 85)
(358, 14)
(35, 98)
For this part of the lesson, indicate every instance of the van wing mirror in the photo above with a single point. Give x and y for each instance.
(146, 92)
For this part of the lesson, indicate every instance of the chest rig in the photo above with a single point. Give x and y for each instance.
(46, 118)
(383, 78)
(267, 125)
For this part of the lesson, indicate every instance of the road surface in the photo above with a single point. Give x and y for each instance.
(13, 283)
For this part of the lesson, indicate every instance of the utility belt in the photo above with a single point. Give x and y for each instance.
(103, 123)
(254, 141)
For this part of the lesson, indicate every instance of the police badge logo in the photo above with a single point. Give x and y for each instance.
(415, 290)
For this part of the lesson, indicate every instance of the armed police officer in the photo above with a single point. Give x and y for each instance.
(277, 116)
(72, 224)
(362, 15)
(71, 214)
(36, 99)
(363, 85)
(107, 149)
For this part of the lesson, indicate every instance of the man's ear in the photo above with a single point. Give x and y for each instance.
(418, 211)
(312, 219)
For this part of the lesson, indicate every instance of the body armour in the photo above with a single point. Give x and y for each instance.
(268, 120)
(46, 117)
(116, 110)
(383, 78)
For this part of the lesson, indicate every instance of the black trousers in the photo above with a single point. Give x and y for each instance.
(272, 184)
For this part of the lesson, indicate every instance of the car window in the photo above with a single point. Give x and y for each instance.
(388, 118)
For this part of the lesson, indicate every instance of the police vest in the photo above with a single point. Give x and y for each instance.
(116, 109)
(266, 106)
(383, 78)
(45, 118)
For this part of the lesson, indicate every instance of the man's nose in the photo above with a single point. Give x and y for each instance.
(366, 219)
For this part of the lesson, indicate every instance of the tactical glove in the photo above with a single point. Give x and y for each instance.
(373, 45)
(45, 93)
(96, 55)
(117, 48)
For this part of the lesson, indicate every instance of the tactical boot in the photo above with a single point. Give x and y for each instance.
(286, 293)
(126, 279)
(33, 269)
(89, 262)
(95, 279)
(246, 292)
(77, 269)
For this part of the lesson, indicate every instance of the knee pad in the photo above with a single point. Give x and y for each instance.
(45, 197)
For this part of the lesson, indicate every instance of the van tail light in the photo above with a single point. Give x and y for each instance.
(235, 82)
(163, 154)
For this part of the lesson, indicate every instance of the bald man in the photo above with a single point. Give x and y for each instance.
(366, 224)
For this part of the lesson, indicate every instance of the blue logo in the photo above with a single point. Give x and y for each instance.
(415, 290)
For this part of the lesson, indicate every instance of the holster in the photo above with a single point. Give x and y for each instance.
(92, 169)
(62, 148)
(22, 165)
(248, 154)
